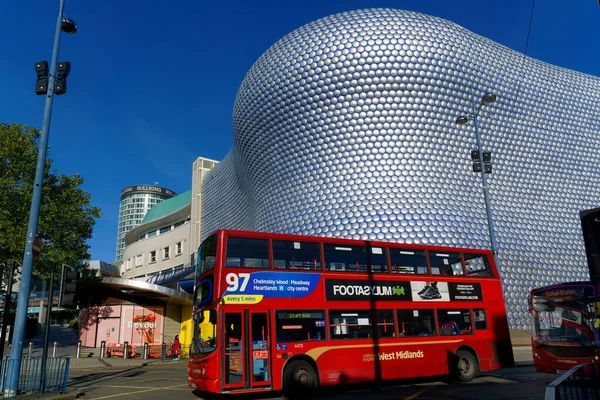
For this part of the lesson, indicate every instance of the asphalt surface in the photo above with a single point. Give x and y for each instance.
(169, 380)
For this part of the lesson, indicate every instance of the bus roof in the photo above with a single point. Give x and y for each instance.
(285, 236)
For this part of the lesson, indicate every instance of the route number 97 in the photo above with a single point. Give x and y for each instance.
(237, 282)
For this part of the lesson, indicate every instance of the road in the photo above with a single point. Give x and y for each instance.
(168, 380)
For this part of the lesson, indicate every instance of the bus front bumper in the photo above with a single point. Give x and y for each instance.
(204, 385)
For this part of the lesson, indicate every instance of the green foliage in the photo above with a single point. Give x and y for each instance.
(74, 324)
(66, 216)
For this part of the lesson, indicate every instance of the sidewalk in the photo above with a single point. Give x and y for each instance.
(114, 362)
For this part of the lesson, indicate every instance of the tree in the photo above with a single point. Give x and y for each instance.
(66, 216)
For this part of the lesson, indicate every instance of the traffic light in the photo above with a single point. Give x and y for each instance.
(69, 288)
(487, 162)
(43, 76)
(41, 84)
(60, 87)
(476, 161)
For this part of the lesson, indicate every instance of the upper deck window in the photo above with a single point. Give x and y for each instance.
(207, 255)
(406, 261)
(247, 252)
(378, 259)
(445, 263)
(289, 254)
(345, 258)
(477, 265)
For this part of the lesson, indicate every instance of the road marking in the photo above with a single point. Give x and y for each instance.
(174, 387)
(414, 396)
(142, 387)
(157, 379)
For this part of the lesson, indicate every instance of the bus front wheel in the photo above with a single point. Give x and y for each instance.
(299, 377)
(466, 368)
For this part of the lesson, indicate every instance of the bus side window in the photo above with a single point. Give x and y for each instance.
(351, 324)
(445, 264)
(378, 259)
(477, 265)
(385, 323)
(480, 320)
(296, 255)
(299, 326)
(247, 252)
(345, 257)
(416, 323)
(407, 261)
(454, 322)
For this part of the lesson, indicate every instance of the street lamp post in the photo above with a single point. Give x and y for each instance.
(14, 368)
(485, 100)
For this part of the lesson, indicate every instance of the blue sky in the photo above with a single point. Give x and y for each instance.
(152, 82)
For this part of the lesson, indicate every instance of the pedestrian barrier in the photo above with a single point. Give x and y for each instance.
(155, 350)
(580, 382)
(117, 350)
(30, 378)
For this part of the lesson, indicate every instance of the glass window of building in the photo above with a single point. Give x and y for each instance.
(153, 256)
(166, 252)
(178, 248)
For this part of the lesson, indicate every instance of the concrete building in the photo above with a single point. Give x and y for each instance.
(161, 242)
(135, 203)
(151, 301)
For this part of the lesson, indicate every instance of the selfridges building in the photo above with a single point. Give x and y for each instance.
(346, 128)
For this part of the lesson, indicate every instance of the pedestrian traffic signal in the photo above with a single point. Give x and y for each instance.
(69, 288)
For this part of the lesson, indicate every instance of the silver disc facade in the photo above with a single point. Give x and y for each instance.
(345, 128)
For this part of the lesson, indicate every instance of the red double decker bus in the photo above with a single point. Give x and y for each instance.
(565, 326)
(289, 312)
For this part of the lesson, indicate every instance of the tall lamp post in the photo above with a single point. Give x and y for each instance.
(485, 100)
(14, 368)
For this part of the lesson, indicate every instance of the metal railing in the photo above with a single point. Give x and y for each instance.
(31, 381)
(580, 382)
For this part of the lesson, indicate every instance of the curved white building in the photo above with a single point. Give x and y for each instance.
(346, 128)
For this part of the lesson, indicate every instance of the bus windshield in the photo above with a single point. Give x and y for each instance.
(565, 315)
(205, 332)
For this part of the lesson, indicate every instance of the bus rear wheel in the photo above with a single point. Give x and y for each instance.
(299, 378)
(466, 368)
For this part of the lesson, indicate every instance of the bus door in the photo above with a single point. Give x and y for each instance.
(259, 354)
(233, 367)
(246, 351)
